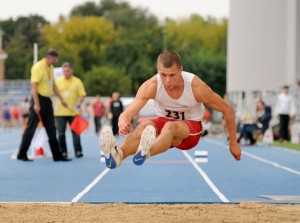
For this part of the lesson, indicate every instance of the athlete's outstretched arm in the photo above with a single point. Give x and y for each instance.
(203, 93)
(145, 92)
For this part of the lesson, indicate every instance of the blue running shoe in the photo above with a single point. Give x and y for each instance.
(147, 140)
(112, 154)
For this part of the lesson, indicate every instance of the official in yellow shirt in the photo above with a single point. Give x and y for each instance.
(42, 88)
(72, 90)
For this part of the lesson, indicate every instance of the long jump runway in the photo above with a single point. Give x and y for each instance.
(265, 174)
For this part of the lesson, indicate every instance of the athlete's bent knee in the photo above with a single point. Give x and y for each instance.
(143, 125)
(170, 127)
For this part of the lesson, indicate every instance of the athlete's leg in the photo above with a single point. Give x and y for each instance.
(132, 141)
(172, 134)
(146, 142)
(114, 154)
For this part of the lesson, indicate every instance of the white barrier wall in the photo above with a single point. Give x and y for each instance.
(263, 44)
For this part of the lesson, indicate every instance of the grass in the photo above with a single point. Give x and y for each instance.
(287, 145)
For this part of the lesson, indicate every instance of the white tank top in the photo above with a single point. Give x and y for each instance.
(184, 108)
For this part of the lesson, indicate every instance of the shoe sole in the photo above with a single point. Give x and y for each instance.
(107, 143)
(147, 140)
(106, 139)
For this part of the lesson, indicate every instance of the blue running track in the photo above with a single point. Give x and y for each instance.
(265, 174)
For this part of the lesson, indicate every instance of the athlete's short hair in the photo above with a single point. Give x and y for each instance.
(168, 58)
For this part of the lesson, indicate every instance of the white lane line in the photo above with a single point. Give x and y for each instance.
(271, 163)
(287, 150)
(206, 178)
(259, 158)
(90, 186)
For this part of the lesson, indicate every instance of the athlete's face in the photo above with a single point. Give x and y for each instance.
(169, 76)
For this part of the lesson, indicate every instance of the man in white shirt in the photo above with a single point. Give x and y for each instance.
(179, 99)
(285, 108)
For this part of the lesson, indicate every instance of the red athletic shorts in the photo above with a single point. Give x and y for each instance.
(195, 131)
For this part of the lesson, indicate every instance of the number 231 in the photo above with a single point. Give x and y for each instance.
(175, 114)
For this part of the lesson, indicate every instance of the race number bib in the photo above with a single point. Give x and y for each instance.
(175, 115)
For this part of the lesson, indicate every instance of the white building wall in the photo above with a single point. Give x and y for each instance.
(263, 45)
(297, 59)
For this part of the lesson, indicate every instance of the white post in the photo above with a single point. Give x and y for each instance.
(35, 53)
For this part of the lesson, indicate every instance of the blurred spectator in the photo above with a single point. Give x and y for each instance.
(72, 90)
(42, 88)
(247, 133)
(264, 116)
(256, 126)
(6, 116)
(116, 108)
(98, 110)
(285, 108)
(15, 115)
(24, 110)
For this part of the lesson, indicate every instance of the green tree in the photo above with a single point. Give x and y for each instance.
(19, 38)
(114, 35)
(8, 26)
(202, 46)
(120, 13)
(86, 9)
(208, 35)
(209, 67)
(136, 54)
(81, 41)
(138, 40)
(105, 80)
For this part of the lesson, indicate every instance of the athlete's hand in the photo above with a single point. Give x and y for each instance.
(235, 150)
(124, 128)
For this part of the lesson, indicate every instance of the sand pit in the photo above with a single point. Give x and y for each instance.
(120, 212)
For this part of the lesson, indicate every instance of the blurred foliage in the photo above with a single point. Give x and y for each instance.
(81, 41)
(19, 37)
(205, 35)
(202, 46)
(105, 80)
(120, 13)
(114, 46)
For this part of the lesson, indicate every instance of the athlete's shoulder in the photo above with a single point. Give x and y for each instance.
(196, 81)
(149, 87)
(187, 74)
(200, 89)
